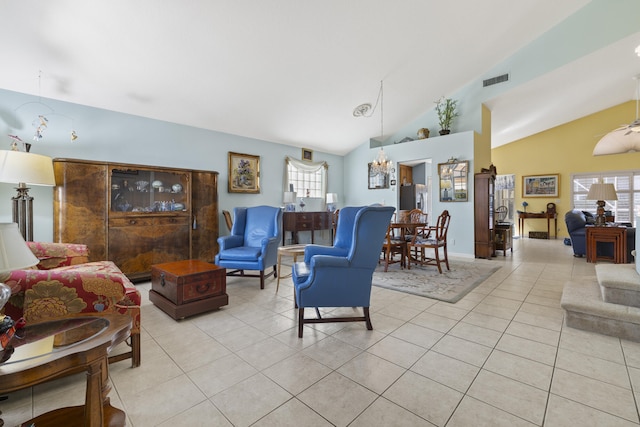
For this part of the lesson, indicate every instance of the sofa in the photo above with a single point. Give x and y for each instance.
(576, 220)
(65, 283)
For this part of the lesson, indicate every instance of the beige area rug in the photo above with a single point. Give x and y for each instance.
(450, 286)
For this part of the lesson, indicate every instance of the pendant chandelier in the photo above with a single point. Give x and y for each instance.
(381, 164)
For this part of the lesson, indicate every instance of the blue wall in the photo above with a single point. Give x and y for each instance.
(110, 136)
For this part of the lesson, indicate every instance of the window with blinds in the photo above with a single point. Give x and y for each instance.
(627, 184)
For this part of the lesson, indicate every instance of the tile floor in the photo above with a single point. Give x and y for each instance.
(499, 357)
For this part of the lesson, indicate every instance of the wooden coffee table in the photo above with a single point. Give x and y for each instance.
(80, 343)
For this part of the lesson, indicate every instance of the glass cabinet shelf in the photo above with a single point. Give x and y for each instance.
(148, 191)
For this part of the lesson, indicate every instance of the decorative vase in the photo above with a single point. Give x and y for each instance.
(444, 132)
(423, 133)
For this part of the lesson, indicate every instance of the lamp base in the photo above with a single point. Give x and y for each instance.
(601, 220)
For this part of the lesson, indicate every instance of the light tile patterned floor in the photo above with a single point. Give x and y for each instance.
(499, 357)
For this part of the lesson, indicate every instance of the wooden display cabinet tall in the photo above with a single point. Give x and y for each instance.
(135, 215)
(484, 212)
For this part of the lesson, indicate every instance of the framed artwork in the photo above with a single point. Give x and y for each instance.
(244, 173)
(453, 178)
(307, 155)
(377, 180)
(540, 185)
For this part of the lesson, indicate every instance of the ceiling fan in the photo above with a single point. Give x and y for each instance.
(625, 139)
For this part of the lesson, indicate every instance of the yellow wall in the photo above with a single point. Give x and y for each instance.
(482, 143)
(564, 150)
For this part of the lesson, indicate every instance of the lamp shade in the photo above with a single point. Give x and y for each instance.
(289, 197)
(14, 252)
(600, 191)
(21, 167)
(332, 198)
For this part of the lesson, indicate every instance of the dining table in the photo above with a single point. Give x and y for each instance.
(405, 227)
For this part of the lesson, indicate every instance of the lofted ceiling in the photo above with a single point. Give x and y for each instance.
(292, 71)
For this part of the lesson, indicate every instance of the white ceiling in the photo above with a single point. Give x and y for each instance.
(292, 71)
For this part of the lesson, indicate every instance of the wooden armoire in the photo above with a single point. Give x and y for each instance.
(484, 212)
(136, 215)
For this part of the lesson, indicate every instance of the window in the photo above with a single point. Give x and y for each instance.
(627, 184)
(307, 179)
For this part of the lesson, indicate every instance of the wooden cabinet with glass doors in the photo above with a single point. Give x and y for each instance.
(484, 212)
(136, 215)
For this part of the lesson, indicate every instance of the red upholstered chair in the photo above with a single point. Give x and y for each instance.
(65, 283)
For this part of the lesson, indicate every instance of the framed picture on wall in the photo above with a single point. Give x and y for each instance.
(307, 155)
(244, 173)
(377, 179)
(453, 181)
(540, 185)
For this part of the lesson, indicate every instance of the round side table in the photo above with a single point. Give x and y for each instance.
(293, 251)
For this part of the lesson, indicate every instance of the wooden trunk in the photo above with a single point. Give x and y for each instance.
(185, 288)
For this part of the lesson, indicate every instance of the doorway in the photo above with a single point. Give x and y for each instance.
(415, 186)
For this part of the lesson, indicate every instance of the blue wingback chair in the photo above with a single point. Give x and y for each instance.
(253, 243)
(339, 279)
(343, 237)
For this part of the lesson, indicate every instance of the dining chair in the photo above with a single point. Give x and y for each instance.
(227, 219)
(391, 247)
(415, 216)
(430, 238)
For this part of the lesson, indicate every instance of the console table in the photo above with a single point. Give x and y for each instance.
(306, 221)
(548, 215)
(614, 235)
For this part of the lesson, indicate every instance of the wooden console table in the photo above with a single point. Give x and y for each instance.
(615, 235)
(306, 221)
(548, 215)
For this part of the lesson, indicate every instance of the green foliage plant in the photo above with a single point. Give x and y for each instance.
(446, 109)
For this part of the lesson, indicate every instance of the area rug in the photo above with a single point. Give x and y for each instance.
(425, 281)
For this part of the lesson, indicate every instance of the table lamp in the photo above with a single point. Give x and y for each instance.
(446, 187)
(332, 200)
(289, 201)
(14, 255)
(22, 168)
(601, 192)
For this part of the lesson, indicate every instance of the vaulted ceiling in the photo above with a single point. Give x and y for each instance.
(292, 71)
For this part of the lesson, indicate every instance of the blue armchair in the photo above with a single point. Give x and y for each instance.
(336, 279)
(253, 243)
(343, 236)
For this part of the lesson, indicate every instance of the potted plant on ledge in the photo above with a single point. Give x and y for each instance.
(446, 109)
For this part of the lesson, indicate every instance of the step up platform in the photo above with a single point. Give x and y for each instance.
(585, 309)
(619, 283)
